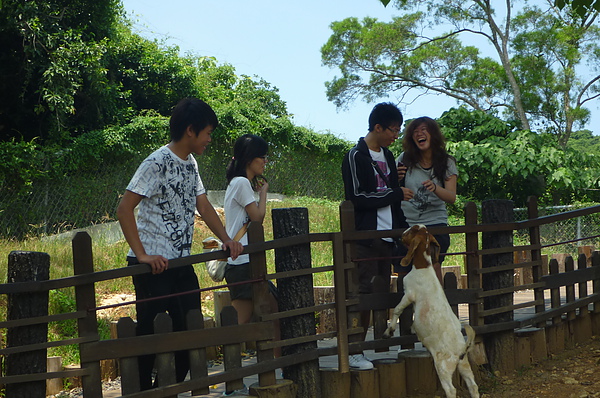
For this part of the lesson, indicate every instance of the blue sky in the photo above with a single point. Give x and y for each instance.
(281, 42)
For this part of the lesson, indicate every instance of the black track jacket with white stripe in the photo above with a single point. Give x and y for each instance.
(360, 186)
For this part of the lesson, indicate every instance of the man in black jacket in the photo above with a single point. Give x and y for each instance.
(371, 183)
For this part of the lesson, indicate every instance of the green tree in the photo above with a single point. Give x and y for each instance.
(584, 141)
(50, 59)
(533, 78)
(496, 160)
(582, 7)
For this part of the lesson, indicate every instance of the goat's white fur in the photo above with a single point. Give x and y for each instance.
(436, 326)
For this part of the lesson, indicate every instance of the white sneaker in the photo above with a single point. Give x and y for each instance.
(358, 361)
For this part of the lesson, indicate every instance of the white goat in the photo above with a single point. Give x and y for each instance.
(436, 326)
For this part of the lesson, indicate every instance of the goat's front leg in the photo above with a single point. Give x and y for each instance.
(405, 302)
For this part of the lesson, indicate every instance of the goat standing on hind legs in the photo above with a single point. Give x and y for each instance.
(436, 326)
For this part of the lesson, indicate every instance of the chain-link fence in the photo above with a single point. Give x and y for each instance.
(571, 233)
(79, 200)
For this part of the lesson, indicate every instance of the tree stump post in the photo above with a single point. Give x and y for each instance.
(334, 384)
(421, 377)
(392, 377)
(364, 384)
(25, 267)
(296, 293)
(498, 344)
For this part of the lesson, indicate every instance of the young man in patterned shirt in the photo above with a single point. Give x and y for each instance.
(168, 190)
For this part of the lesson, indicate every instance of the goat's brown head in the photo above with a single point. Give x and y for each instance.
(423, 248)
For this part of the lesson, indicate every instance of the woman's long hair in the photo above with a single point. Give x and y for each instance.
(439, 156)
(245, 150)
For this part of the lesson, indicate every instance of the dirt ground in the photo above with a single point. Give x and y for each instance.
(574, 373)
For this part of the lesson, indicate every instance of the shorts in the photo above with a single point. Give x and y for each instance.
(377, 261)
(241, 273)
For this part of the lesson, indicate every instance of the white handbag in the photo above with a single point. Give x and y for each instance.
(216, 268)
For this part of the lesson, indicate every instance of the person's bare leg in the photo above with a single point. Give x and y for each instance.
(244, 308)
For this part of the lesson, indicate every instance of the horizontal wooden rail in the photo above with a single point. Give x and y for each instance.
(383, 343)
(233, 374)
(509, 308)
(297, 311)
(43, 319)
(555, 281)
(27, 378)
(43, 346)
(559, 311)
(179, 341)
(299, 272)
(497, 327)
(511, 289)
(510, 249)
(507, 267)
(266, 345)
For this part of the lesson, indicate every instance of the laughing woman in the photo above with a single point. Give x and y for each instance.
(430, 172)
(245, 182)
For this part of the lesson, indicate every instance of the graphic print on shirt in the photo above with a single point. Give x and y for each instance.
(177, 193)
(420, 200)
(381, 185)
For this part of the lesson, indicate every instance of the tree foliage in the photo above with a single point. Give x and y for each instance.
(497, 160)
(543, 71)
(581, 7)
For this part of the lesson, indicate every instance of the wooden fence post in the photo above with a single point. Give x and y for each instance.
(380, 316)
(570, 297)
(498, 344)
(232, 353)
(165, 361)
(350, 279)
(296, 293)
(341, 318)
(451, 284)
(536, 256)
(128, 367)
(26, 267)
(85, 296)
(596, 290)
(198, 366)
(261, 299)
(583, 322)
(473, 263)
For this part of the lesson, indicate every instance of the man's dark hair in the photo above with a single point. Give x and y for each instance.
(385, 114)
(194, 112)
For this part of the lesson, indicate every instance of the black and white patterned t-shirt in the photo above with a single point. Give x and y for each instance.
(165, 219)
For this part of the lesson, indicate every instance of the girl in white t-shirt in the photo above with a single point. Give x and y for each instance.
(245, 182)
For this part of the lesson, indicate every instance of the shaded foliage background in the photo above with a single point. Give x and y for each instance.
(83, 100)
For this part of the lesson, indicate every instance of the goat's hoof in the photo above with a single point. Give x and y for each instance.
(388, 333)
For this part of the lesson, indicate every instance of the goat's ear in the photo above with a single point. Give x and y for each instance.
(434, 249)
(414, 243)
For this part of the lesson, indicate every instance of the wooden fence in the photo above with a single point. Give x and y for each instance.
(489, 292)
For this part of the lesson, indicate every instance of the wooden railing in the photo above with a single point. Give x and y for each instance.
(488, 317)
